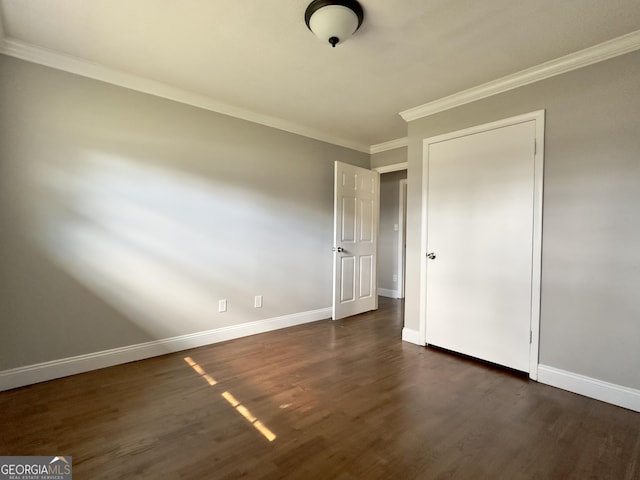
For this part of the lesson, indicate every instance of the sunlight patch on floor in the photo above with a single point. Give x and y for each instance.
(233, 401)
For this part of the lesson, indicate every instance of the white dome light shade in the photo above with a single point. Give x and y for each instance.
(333, 22)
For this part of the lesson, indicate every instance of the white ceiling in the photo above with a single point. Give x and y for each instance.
(258, 56)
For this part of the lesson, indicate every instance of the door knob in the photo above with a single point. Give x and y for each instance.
(431, 256)
(338, 249)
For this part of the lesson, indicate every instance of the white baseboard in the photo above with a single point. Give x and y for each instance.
(411, 336)
(18, 377)
(590, 387)
(385, 292)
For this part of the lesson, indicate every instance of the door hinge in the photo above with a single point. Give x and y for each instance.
(535, 146)
(530, 336)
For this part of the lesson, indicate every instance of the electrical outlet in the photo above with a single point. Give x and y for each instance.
(396, 227)
(395, 278)
(222, 306)
(257, 301)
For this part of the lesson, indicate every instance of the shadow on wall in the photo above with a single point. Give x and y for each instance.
(161, 246)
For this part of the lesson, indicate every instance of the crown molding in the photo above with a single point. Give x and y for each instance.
(67, 63)
(396, 167)
(390, 145)
(598, 53)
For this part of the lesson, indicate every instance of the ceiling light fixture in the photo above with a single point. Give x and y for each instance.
(333, 21)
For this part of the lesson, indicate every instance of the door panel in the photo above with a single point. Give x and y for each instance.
(367, 224)
(480, 228)
(348, 233)
(356, 200)
(348, 284)
(366, 276)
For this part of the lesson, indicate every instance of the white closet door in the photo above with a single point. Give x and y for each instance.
(480, 220)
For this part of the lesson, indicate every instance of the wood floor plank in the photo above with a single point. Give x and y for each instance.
(345, 400)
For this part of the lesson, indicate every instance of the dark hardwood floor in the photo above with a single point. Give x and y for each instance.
(344, 400)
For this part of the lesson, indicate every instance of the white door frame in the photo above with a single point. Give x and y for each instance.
(402, 230)
(402, 212)
(539, 118)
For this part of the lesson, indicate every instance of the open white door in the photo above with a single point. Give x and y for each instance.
(355, 240)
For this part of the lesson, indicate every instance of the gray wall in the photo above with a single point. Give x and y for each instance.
(388, 241)
(124, 217)
(389, 157)
(591, 257)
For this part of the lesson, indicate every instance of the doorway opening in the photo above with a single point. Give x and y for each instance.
(391, 248)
